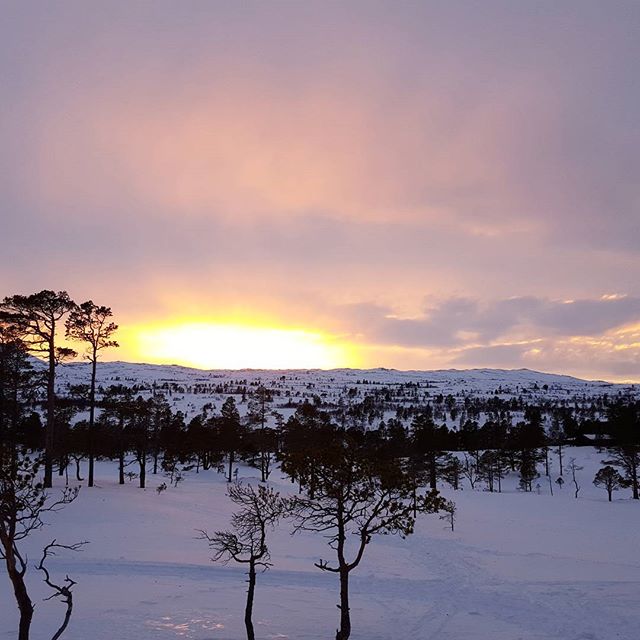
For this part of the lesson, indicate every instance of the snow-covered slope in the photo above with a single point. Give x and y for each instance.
(519, 566)
(190, 388)
(483, 380)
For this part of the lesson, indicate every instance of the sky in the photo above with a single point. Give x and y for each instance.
(413, 185)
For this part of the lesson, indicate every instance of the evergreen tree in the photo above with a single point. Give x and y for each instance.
(357, 496)
(92, 324)
(230, 432)
(35, 319)
(610, 479)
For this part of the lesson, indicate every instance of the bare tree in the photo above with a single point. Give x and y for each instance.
(573, 467)
(35, 318)
(355, 498)
(470, 468)
(449, 514)
(23, 503)
(92, 324)
(260, 511)
(64, 591)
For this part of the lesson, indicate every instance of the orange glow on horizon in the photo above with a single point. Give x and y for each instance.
(224, 345)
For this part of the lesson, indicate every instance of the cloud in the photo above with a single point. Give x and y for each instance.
(462, 321)
(178, 111)
(329, 164)
(609, 356)
(506, 355)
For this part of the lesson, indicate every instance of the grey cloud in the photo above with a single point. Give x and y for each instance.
(460, 321)
(549, 355)
(502, 355)
(585, 317)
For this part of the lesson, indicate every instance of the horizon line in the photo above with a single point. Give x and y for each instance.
(368, 369)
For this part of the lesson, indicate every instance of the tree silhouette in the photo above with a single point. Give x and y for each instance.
(610, 479)
(624, 418)
(230, 432)
(356, 496)
(35, 319)
(23, 503)
(92, 324)
(260, 510)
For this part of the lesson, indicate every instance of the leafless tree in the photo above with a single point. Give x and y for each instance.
(449, 515)
(573, 467)
(260, 510)
(62, 591)
(470, 468)
(23, 504)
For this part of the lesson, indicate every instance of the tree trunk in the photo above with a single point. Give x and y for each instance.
(121, 453)
(546, 461)
(634, 475)
(142, 460)
(249, 608)
(65, 622)
(25, 606)
(560, 458)
(415, 500)
(121, 468)
(345, 617)
(49, 436)
(433, 478)
(92, 413)
(230, 465)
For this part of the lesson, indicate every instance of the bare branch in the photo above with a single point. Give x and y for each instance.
(62, 591)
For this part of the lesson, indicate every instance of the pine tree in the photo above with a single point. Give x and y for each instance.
(92, 324)
(610, 479)
(35, 319)
(357, 495)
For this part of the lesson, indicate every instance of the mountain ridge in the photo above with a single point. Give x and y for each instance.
(473, 372)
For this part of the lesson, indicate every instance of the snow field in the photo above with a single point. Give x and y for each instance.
(518, 566)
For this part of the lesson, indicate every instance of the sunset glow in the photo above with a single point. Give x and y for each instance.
(409, 185)
(228, 346)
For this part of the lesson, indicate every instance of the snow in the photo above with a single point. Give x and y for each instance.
(330, 384)
(518, 566)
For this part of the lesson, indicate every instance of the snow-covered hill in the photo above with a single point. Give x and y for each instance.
(444, 380)
(188, 390)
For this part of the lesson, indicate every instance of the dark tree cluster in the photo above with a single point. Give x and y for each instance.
(30, 325)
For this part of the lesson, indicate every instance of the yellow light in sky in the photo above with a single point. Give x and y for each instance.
(234, 346)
